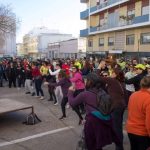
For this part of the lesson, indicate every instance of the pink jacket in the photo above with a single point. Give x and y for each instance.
(78, 81)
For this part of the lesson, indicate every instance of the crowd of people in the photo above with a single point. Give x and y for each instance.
(76, 82)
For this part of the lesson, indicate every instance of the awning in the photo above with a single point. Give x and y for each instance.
(115, 51)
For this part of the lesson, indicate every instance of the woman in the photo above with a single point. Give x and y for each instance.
(38, 81)
(20, 75)
(78, 82)
(138, 121)
(11, 74)
(98, 128)
(64, 83)
(116, 89)
(28, 81)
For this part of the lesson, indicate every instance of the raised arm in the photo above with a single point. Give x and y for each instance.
(54, 73)
(73, 101)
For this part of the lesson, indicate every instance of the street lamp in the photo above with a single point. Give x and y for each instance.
(139, 50)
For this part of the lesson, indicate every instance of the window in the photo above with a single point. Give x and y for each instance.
(101, 41)
(110, 41)
(90, 43)
(145, 10)
(130, 39)
(145, 38)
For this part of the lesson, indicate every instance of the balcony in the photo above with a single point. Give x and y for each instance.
(84, 14)
(135, 22)
(84, 33)
(106, 5)
(83, 1)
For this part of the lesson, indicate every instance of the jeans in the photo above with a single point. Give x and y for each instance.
(38, 84)
(117, 116)
(12, 80)
(28, 86)
(139, 142)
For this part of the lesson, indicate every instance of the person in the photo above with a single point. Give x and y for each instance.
(138, 120)
(58, 90)
(130, 87)
(64, 83)
(1, 74)
(78, 82)
(20, 75)
(38, 81)
(28, 81)
(141, 72)
(114, 85)
(98, 129)
(44, 70)
(11, 74)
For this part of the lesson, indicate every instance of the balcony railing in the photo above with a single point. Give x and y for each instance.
(84, 14)
(105, 4)
(84, 33)
(135, 20)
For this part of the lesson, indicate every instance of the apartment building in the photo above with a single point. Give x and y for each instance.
(36, 41)
(117, 27)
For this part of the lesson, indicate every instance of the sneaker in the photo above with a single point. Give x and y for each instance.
(27, 93)
(55, 103)
(67, 106)
(18, 88)
(33, 94)
(36, 96)
(41, 98)
(50, 99)
(62, 118)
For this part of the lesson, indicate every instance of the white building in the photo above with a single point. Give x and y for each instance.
(73, 48)
(36, 41)
(7, 44)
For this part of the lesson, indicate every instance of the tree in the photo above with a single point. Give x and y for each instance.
(8, 26)
(8, 20)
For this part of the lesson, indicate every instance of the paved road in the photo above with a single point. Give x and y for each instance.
(50, 134)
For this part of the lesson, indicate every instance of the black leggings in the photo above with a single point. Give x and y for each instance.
(63, 105)
(139, 142)
(79, 107)
(52, 94)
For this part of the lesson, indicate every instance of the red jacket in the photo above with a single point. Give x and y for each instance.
(66, 68)
(36, 72)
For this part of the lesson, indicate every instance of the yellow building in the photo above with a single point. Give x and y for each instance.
(117, 26)
(30, 45)
(20, 50)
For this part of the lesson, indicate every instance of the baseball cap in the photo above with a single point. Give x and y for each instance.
(147, 66)
(140, 66)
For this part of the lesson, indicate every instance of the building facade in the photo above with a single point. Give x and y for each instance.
(36, 41)
(73, 48)
(7, 44)
(117, 26)
(20, 50)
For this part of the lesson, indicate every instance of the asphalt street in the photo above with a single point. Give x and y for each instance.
(50, 134)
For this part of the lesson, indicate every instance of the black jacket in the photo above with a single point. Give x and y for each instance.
(136, 80)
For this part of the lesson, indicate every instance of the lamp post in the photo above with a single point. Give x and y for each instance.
(139, 50)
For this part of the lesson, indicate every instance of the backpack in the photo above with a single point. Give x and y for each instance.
(32, 119)
(104, 103)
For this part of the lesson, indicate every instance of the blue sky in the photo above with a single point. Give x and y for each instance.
(63, 15)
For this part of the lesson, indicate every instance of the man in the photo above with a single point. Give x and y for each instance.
(141, 72)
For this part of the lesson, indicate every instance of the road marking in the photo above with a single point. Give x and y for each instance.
(35, 136)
